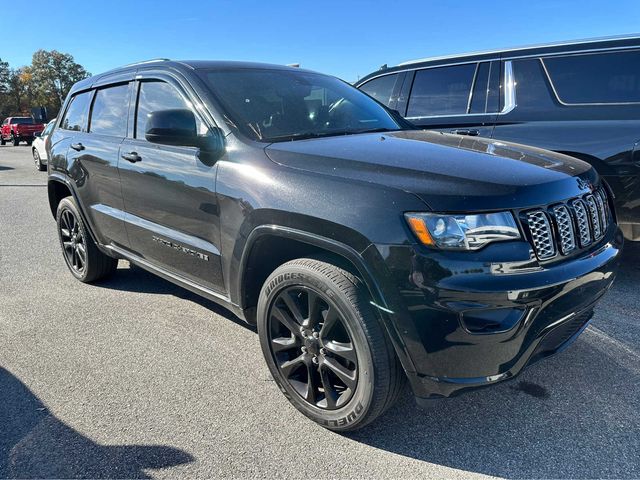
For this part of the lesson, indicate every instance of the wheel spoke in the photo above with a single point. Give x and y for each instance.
(67, 245)
(310, 392)
(293, 307)
(330, 394)
(82, 252)
(346, 376)
(330, 320)
(65, 232)
(291, 366)
(314, 313)
(284, 343)
(344, 350)
(284, 318)
(80, 259)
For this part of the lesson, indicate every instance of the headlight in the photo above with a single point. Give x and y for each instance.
(462, 232)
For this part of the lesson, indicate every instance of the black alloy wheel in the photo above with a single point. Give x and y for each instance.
(81, 254)
(312, 346)
(325, 346)
(73, 241)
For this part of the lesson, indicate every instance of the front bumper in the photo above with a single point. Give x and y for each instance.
(467, 320)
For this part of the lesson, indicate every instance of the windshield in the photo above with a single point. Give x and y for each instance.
(22, 120)
(282, 105)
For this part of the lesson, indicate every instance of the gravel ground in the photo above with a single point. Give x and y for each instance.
(135, 377)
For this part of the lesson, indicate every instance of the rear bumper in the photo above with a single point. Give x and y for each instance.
(468, 321)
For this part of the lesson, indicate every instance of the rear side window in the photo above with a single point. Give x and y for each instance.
(381, 88)
(110, 111)
(154, 96)
(441, 91)
(76, 117)
(22, 121)
(596, 78)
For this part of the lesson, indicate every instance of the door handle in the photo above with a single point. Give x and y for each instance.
(466, 131)
(77, 146)
(132, 157)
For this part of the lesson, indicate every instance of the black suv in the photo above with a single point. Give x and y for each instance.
(365, 251)
(581, 99)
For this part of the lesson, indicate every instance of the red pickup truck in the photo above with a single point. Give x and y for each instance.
(18, 129)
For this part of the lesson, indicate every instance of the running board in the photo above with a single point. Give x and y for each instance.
(172, 277)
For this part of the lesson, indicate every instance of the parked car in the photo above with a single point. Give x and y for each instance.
(19, 129)
(580, 98)
(39, 146)
(365, 251)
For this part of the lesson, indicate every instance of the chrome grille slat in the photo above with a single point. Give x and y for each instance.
(541, 234)
(602, 209)
(583, 222)
(565, 229)
(594, 216)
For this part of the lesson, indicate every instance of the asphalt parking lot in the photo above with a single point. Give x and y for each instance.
(135, 377)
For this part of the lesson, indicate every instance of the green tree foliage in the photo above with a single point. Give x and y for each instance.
(45, 82)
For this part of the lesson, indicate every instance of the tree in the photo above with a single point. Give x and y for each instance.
(20, 92)
(5, 74)
(52, 74)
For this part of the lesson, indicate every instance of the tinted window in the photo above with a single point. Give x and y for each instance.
(596, 78)
(441, 91)
(22, 121)
(381, 88)
(76, 116)
(532, 90)
(283, 105)
(110, 111)
(155, 96)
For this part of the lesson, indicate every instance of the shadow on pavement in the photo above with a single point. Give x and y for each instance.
(131, 278)
(35, 444)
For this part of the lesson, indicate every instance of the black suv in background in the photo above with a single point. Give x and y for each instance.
(581, 99)
(366, 252)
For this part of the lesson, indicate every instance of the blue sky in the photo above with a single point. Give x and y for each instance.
(344, 38)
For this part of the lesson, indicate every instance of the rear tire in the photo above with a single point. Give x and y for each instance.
(2, 141)
(29, 142)
(36, 158)
(15, 140)
(325, 346)
(84, 260)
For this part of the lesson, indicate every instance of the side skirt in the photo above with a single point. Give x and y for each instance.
(179, 280)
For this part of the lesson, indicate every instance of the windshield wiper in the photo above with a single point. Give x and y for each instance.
(337, 133)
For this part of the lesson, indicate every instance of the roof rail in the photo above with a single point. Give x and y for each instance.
(147, 61)
(633, 36)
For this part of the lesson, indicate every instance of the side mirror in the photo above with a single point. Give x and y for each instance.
(178, 127)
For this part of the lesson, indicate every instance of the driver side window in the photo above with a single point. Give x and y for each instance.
(158, 95)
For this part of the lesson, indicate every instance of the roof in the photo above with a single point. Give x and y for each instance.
(604, 40)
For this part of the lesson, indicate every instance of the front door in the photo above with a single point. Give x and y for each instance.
(169, 194)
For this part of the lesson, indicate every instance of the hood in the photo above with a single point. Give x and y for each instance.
(450, 173)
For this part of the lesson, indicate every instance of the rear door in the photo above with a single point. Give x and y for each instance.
(95, 153)
(170, 199)
(461, 99)
(93, 127)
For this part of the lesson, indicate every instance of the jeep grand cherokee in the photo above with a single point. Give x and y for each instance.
(365, 250)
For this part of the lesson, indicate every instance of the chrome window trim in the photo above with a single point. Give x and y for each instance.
(473, 85)
(568, 104)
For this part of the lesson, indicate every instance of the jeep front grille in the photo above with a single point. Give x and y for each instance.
(565, 227)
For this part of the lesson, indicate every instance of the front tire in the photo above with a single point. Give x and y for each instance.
(84, 260)
(325, 346)
(15, 140)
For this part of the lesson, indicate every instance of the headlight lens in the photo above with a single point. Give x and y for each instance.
(463, 232)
